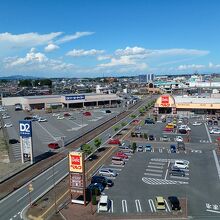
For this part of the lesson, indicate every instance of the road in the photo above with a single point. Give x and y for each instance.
(13, 205)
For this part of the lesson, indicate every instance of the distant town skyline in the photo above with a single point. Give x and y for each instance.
(84, 38)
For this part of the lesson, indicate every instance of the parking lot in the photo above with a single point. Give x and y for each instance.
(54, 129)
(146, 174)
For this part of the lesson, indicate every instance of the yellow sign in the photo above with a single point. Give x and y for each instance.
(76, 162)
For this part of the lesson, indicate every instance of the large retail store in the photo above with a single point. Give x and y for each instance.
(67, 101)
(168, 104)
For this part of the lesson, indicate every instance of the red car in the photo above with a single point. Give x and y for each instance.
(168, 129)
(136, 121)
(66, 114)
(115, 141)
(87, 114)
(121, 155)
(53, 145)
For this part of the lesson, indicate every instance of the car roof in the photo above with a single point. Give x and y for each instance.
(159, 199)
(103, 199)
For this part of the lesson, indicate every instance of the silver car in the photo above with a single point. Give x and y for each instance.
(107, 172)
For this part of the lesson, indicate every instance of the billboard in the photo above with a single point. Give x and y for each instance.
(25, 131)
(76, 160)
(165, 100)
(76, 180)
(74, 97)
(25, 128)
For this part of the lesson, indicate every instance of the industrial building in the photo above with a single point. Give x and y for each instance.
(62, 101)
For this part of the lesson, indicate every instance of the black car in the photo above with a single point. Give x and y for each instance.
(103, 180)
(182, 131)
(149, 121)
(174, 202)
(93, 157)
(176, 172)
(28, 118)
(151, 137)
(215, 123)
(108, 111)
(13, 141)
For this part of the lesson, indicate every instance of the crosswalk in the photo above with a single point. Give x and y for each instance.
(155, 181)
(136, 206)
(168, 151)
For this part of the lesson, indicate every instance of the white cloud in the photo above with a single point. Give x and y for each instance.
(51, 47)
(79, 53)
(190, 67)
(8, 40)
(122, 61)
(139, 52)
(73, 37)
(35, 62)
(104, 57)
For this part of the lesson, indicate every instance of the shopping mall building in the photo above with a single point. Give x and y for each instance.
(168, 104)
(61, 101)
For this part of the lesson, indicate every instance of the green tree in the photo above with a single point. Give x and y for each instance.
(133, 116)
(134, 146)
(25, 83)
(116, 128)
(97, 142)
(87, 149)
(124, 124)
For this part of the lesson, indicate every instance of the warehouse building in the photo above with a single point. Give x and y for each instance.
(63, 101)
(168, 104)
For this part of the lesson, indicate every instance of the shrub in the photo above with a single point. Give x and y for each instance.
(145, 135)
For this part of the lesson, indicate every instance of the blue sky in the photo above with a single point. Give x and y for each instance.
(90, 38)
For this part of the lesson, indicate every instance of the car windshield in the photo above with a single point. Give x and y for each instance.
(103, 204)
(160, 203)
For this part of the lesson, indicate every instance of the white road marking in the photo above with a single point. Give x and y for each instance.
(157, 171)
(152, 174)
(151, 204)
(124, 206)
(157, 163)
(208, 210)
(138, 205)
(22, 197)
(166, 175)
(216, 163)
(111, 208)
(15, 216)
(180, 177)
(115, 165)
(160, 150)
(154, 181)
(52, 175)
(47, 131)
(155, 167)
(207, 130)
(168, 208)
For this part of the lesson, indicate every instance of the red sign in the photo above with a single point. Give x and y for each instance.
(165, 101)
(75, 160)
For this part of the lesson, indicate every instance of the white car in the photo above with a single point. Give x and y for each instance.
(6, 116)
(60, 117)
(42, 120)
(197, 123)
(104, 204)
(185, 127)
(181, 164)
(179, 139)
(180, 121)
(215, 131)
(55, 114)
(7, 125)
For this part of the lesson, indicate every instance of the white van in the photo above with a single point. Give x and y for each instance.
(117, 161)
(104, 204)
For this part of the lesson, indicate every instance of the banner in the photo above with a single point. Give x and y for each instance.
(76, 161)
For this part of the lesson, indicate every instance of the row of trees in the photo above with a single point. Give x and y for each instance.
(35, 83)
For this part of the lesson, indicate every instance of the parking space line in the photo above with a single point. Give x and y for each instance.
(138, 205)
(216, 163)
(47, 131)
(157, 171)
(152, 174)
(157, 163)
(156, 167)
(207, 130)
(151, 204)
(160, 150)
(180, 177)
(166, 174)
(111, 208)
(124, 206)
(168, 208)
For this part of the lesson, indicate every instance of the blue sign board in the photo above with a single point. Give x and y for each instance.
(25, 128)
(74, 97)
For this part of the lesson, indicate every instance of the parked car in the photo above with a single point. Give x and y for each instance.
(160, 203)
(97, 186)
(108, 111)
(186, 127)
(174, 171)
(121, 155)
(104, 204)
(60, 117)
(118, 161)
(55, 114)
(107, 172)
(179, 139)
(165, 138)
(28, 118)
(66, 114)
(149, 121)
(215, 123)
(87, 114)
(6, 116)
(42, 120)
(173, 148)
(214, 131)
(148, 147)
(182, 131)
(135, 121)
(7, 125)
(210, 122)
(92, 157)
(13, 141)
(126, 148)
(174, 203)
(197, 123)
(53, 145)
(168, 129)
(181, 164)
(151, 137)
(114, 141)
(72, 118)
(103, 180)
(140, 148)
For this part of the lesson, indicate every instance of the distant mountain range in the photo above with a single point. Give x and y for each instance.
(17, 77)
